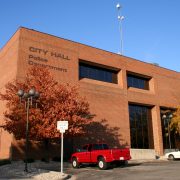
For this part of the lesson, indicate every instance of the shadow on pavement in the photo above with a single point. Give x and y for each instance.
(38, 170)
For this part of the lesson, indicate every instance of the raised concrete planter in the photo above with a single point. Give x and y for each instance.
(142, 154)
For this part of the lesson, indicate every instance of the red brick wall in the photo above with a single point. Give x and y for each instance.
(8, 71)
(108, 101)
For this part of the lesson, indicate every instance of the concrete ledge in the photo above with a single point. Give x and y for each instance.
(138, 154)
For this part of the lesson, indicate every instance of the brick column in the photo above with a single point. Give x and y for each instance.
(157, 130)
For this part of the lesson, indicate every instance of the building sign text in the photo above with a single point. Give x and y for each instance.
(35, 58)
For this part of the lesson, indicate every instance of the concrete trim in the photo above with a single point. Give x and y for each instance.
(137, 154)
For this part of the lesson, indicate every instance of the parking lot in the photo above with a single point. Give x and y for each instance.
(136, 170)
(156, 170)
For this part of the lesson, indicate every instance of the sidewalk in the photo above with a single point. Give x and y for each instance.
(37, 170)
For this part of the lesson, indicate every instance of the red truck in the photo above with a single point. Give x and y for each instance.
(100, 154)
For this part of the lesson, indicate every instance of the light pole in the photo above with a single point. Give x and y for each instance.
(28, 98)
(1, 128)
(167, 119)
(120, 18)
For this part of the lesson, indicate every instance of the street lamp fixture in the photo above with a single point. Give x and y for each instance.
(120, 19)
(167, 119)
(28, 99)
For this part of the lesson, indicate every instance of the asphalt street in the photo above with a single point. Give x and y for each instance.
(136, 170)
(160, 170)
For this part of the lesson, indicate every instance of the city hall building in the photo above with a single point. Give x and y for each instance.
(129, 95)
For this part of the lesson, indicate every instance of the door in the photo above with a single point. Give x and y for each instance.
(177, 154)
(85, 155)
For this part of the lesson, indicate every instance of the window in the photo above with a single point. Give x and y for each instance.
(96, 147)
(140, 127)
(137, 81)
(97, 73)
(105, 146)
(100, 146)
(169, 137)
(85, 147)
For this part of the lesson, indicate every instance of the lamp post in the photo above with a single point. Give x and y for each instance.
(28, 98)
(120, 18)
(167, 119)
(1, 127)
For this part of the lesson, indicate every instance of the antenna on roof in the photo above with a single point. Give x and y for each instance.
(120, 18)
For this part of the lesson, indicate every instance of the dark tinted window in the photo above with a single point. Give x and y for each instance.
(140, 127)
(169, 137)
(100, 146)
(97, 147)
(97, 73)
(105, 146)
(85, 147)
(137, 82)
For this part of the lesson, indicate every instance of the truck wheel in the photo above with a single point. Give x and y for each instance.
(75, 163)
(102, 164)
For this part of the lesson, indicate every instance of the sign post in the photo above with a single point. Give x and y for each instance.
(62, 126)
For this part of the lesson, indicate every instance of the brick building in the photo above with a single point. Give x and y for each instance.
(128, 94)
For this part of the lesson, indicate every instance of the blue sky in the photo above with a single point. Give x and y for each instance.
(151, 28)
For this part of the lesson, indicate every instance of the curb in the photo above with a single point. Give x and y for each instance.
(146, 160)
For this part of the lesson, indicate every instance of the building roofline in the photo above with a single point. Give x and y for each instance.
(1, 48)
(22, 27)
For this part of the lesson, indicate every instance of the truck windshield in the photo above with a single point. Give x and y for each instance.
(100, 146)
